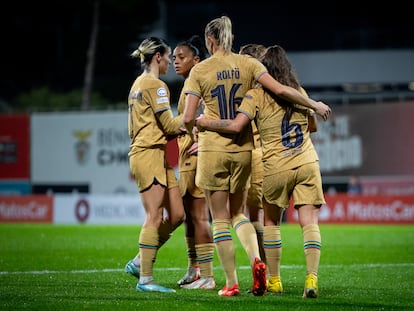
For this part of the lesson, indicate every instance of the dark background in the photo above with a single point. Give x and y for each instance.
(45, 43)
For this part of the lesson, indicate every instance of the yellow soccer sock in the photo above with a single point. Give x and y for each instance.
(225, 249)
(191, 252)
(312, 248)
(164, 233)
(273, 248)
(247, 236)
(205, 256)
(148, 246)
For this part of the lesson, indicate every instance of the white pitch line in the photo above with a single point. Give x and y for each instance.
(321, 267)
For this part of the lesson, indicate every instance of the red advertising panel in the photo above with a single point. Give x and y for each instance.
(14, 146)
(28, 208)
(390, 185)
(364, 209)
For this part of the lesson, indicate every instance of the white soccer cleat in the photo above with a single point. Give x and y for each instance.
(202, 283)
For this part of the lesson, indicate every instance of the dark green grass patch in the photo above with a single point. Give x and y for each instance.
(50, 267)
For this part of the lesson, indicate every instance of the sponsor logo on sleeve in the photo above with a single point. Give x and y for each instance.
(163, 96)
(162, 100)
(162, 92)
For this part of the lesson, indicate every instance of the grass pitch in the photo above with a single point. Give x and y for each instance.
(80, 267)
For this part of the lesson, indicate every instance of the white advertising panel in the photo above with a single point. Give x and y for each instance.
(98, 209)
(82, 148)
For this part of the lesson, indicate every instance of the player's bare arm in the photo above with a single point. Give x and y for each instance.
(225, 126)
(191, 105)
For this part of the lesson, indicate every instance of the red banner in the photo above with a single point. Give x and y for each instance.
(14, 146)
(28, 208)
(363, 209)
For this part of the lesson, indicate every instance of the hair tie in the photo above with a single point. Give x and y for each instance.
(197, 52)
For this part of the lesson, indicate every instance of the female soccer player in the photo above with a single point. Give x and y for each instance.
(224, 161)
(150, 124)
(200, 246)
(254, 205)
(291, 167)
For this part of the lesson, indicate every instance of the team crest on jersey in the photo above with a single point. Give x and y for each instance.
(162, 91)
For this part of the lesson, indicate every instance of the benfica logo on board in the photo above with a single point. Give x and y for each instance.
(82, 146)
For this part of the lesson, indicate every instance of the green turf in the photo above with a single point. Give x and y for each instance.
(50, 267)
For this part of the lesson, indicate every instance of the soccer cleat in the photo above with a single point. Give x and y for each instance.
(132, 269)
(259, 277)
(311, 286)
(201, 283)
(153, 287)
(193, 274)
(234, 291)
(274, 285)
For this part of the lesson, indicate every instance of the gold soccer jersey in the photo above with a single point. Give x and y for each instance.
(222, 81)
(149, 96)
(286, 143)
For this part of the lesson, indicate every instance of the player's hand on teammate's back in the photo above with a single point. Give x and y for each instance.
(323, 110)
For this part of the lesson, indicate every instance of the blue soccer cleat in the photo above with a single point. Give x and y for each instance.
(132, 269)
(153, 287)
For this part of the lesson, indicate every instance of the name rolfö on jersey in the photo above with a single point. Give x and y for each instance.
(228, 74)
